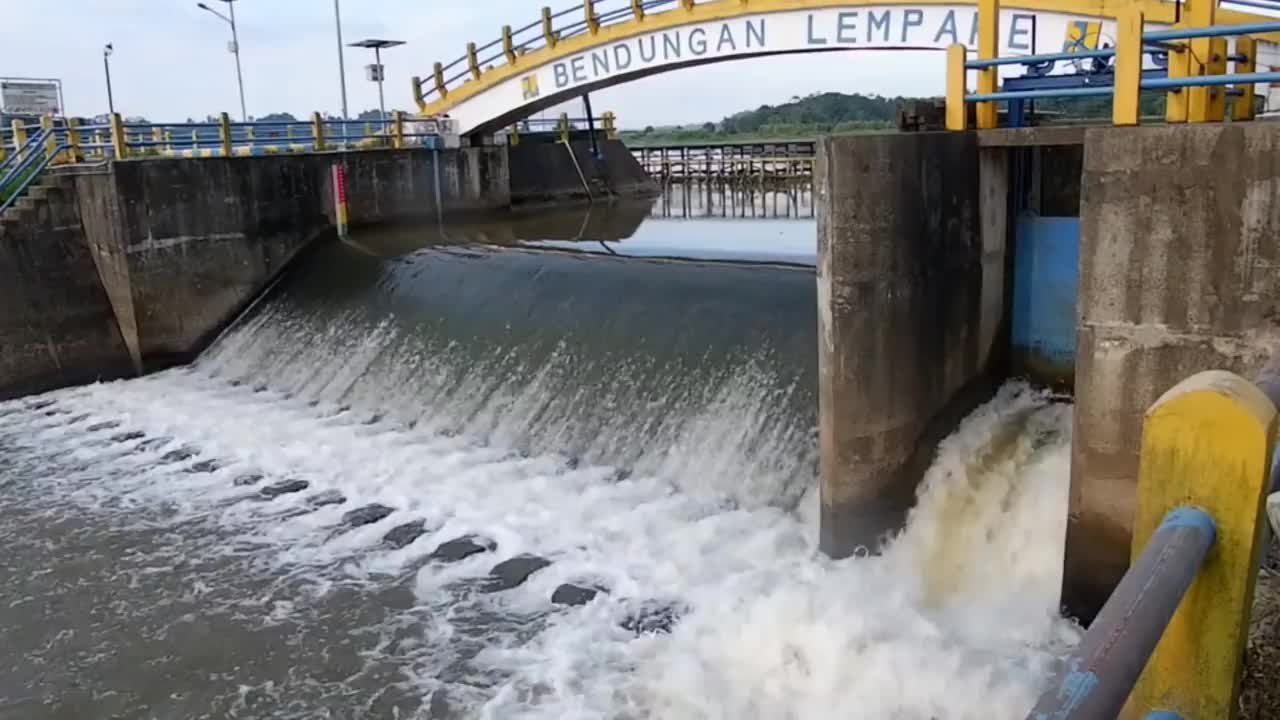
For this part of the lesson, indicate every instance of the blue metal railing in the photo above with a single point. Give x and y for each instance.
(30, 161)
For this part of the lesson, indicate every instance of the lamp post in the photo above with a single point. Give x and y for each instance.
(234, 47)
(106, 67)
(375, 70)
(342, 68)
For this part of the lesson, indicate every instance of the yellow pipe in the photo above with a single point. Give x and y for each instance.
(956, 111)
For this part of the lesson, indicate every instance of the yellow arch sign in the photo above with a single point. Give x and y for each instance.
(601, 51)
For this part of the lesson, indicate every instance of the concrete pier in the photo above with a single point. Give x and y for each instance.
(911, 299)
(1179, 273)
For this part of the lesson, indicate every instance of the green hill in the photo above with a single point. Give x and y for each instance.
(833, 112)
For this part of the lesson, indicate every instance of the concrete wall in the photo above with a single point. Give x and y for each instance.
(912, 304)
(56, 323)
(1180, 272)
(138, 266)
(546, 172)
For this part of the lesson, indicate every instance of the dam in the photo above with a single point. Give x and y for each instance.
(263, 532)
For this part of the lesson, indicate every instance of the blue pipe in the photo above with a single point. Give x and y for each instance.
(1216, 31)
(1210, 80)
(1037, 59)
(1096, 680)
(1034, 94)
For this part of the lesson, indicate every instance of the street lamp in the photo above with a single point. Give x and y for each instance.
(375, 70)
(234, 47)
(106, 66)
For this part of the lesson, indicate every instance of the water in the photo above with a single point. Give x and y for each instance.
(647, 425)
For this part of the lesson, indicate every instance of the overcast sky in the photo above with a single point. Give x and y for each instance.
(171, 60)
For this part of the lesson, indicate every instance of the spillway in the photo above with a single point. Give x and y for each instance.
(361, 500)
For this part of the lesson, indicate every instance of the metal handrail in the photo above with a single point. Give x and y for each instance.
(610, 17)
(26, 182)
(34, 142)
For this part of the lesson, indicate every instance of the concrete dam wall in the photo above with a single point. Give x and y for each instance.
(136, 265)
(1099, 259)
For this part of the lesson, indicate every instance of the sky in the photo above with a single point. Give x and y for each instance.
(171, 60)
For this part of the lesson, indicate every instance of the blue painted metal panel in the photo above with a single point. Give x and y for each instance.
(1046, 280)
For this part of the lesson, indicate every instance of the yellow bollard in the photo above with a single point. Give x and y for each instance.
(397, 129)
(1242, 104)
(988, 48)
(224, 133)
(317, 131)
(118, 143)
(957, 113)
(1205, 443)
(1125, 104)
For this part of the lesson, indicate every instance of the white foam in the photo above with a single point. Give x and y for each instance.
(957, 619)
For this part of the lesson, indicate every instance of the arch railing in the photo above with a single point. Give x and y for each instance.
(547, 31)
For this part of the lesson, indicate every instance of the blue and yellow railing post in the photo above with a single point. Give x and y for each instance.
(1125, 105)
(1206, 443)
(157, 136)
(589, 16)
(508, 45)
(317, 132)
(513, 135)
(397, 129)
(224, 133)
(957, 112)
(438, 75)
(195, 142)
(74, 154)
(610, 125)
(637, 9)
(988, 48)
(118, 144)
(1246, 62)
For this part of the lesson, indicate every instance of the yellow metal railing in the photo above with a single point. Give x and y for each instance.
(1197, 82)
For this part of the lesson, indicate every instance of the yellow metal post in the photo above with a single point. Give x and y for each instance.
(956, 110)
(1128, 75)
(1199, 14)
(610, 125)
(1176, 100)
(195, 140)
(118, 144)
(157, 134)
(589, 14)
(224, 133)
(1215, 98)
(317, 131)
(438, 72)
(1242, 104)
(687, 5)
(563, 127)
(74, 155)
(548, 30)
(1206, 443)
(637, 9)
(50, 141)
(473, 63)
(513, 136)
(168, 140)
(19, 134)
(508, 45)
(288, 132)
(988, 48)
(397, 129)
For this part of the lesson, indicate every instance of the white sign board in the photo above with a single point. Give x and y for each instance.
(29, 97)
